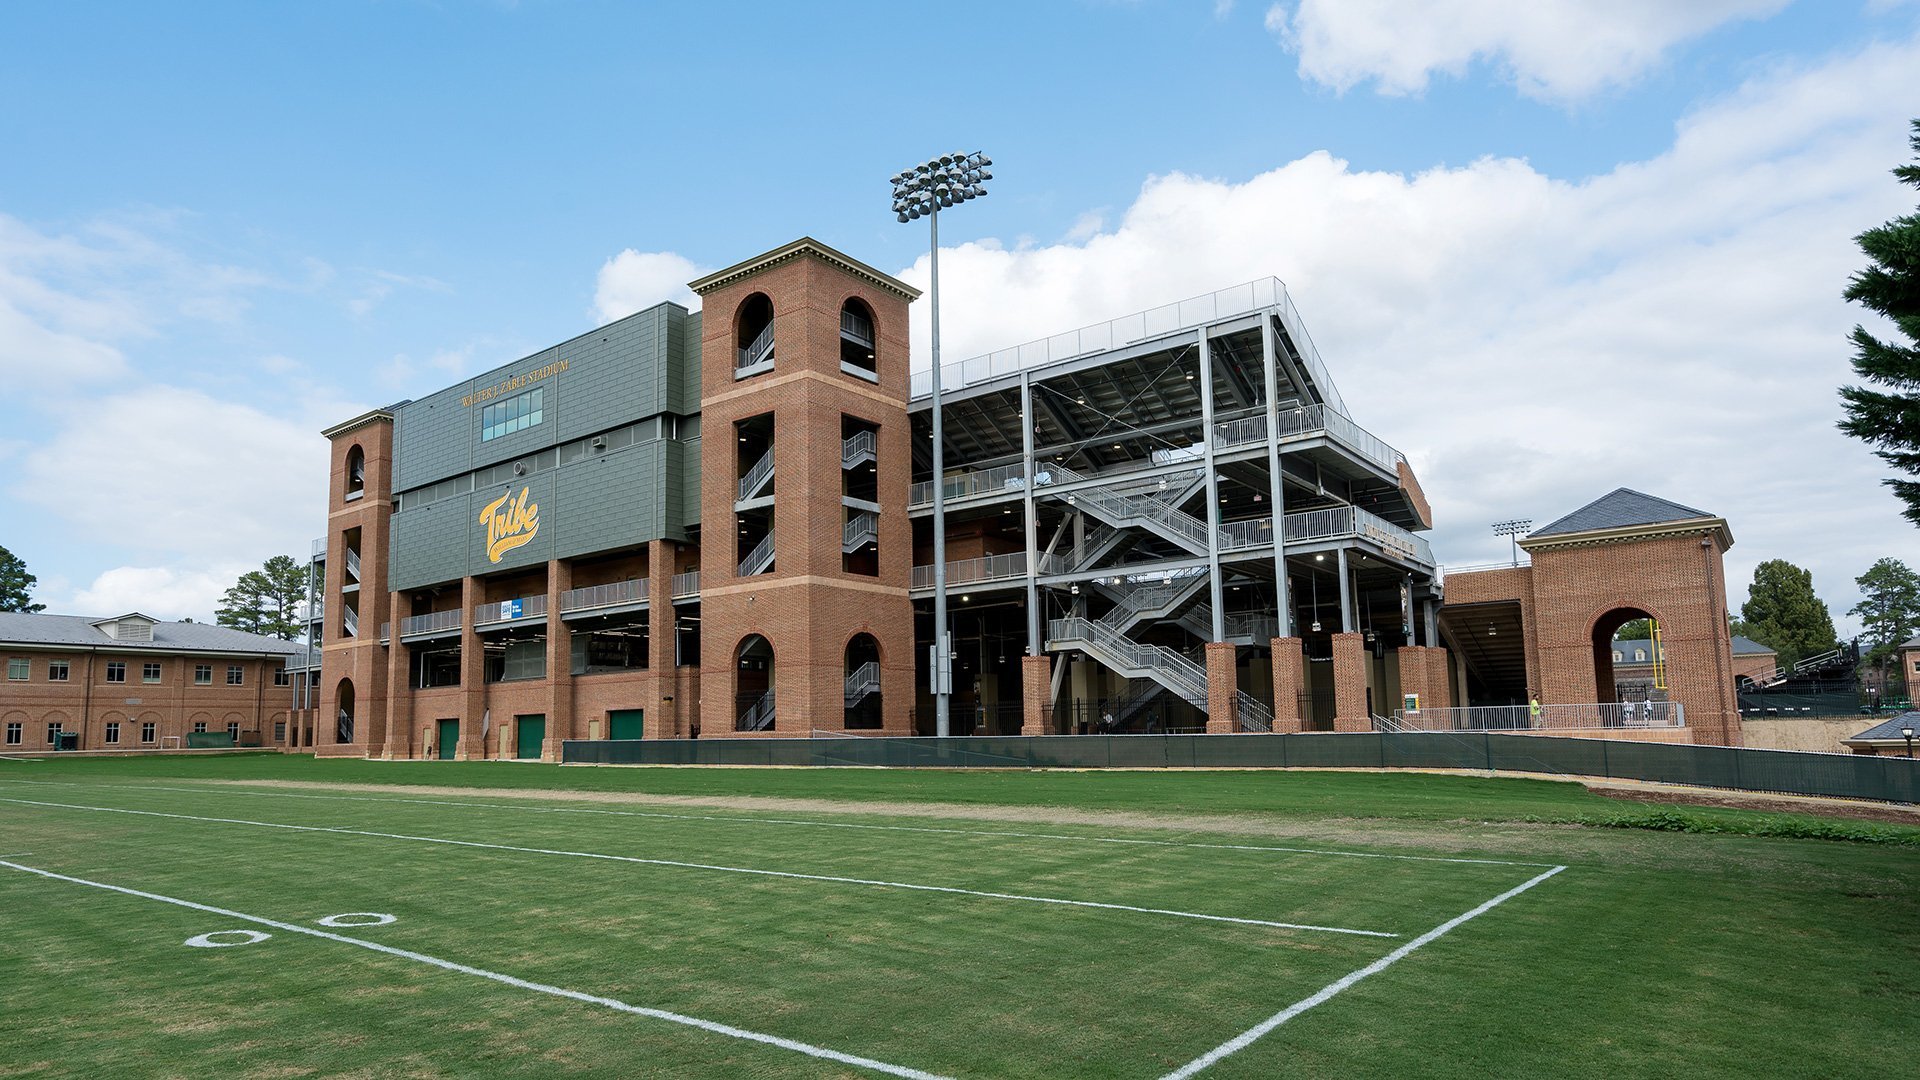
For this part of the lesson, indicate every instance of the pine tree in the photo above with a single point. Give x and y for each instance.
(266, 601)
(16, 585)
(1889, 610)
(1889, 418)
(1783, 613)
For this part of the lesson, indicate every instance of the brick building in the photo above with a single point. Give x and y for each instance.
(133, 682)
(719, 524)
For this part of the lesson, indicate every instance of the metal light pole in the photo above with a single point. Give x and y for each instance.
(1512, 530)
(918, 192)
(1908, 732)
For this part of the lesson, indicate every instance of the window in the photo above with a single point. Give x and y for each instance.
(13, 734)
(517, 413)
(146, 732)
(199, 727)
(116, 671)
(53, 732)
(235, 675)
(150, 673)
(233, 731)
(1616, 656)
(203, 674)
(56, 671)
(282, 677)
(113, 733)
(1639, 656)
(19, 669)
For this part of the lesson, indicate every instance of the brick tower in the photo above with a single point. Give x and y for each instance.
(806, 621)
(351, 712)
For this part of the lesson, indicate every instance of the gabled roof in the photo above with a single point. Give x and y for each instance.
(1742, 646)
(54, 631)
(1888, 730)
(806, 245)
(1618, 509)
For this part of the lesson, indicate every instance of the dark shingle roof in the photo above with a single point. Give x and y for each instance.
(1619, 508)
(1742, 646)
(19, 628)
(1889, 729)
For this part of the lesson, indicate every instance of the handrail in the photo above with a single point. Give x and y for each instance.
(1116, 507)
(762, 469)
(350, 621)
(758, 717)
(862, 681)
(760, 558)
(859, 529)
(353, 564)
(430, 622)
(760, 351)
(856, 446)
(320, 548)
(857, 327)
(1170, 666)
(687, 584)
(988, 568)
(960, 485)
(1253, 713)
(594, 596)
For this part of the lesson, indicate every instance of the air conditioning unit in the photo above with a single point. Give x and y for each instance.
(519, 468)
(598, 443)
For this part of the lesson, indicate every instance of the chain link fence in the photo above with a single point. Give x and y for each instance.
(1887, 779)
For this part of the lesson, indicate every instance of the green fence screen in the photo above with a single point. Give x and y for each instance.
(1889, 779)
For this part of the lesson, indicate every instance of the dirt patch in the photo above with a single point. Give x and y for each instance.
(1774, 804)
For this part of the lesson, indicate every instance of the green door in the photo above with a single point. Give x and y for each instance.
(531, 733)
(626, 723)
(449, 738)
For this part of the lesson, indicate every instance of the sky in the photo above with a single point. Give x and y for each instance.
(1547, 249)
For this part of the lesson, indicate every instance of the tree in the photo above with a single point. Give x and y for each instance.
(1889, 418)
(266, 601)
(1634, 630)
(1783, 613)
(16, 585)
(1889, 610)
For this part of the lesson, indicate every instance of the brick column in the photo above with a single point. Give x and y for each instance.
(1439, 679)
(663, 720)
(1036, 685)
(1350, 683)
(559, 663)
(1416, 677)
(1289, 678)
(1222, 681)
(472, 745)
(399, 743)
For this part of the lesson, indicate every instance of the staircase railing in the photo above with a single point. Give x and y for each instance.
(1163, 665)
(1254, 714)
(1176, 524)
(353, 564)
(761, 472)
(350, 620)
(760, 558)
(862, 528)
(687, 584)
(757, 353)
(862, 681)
(856, 327)
(856, 448)
(759, 716)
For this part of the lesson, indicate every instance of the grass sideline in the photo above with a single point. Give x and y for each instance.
(1408, 797)
(1655, 953)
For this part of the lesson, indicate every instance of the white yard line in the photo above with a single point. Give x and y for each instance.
(725, 869)
(523, 984)
(1326, 993)
(226, 790)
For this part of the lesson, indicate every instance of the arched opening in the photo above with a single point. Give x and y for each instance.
(753, 684)
(356, 473)
(753, 336)
(1640, 675)
(858, 340)
(343, 716)
(863, 682)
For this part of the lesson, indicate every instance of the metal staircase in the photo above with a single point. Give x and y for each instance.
(859, 531)
(856, 449)
(758, 717)
(1131, 658)
(760, 559)
(1122, 504)
(862, 681)
(759, 352)
(758, 479)
(1136, 603)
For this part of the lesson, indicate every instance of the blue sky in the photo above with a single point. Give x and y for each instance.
(1547, 248)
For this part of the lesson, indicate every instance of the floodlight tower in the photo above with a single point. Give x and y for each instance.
(923, 191)
(1513, 530)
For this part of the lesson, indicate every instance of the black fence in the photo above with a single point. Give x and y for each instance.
(1889, 779)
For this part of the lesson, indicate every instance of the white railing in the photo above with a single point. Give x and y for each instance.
(1154, 512)
(760, 558)
(860, 529)
(1611, 714)
(1480, 567)
(759, 716)
(631, 591)
(862, 681)
(758, 353)
(988, 568)
(520, 607)
(316, 611)
(1164, 666)
(1340, 521)
(320, 548)
(856, 448)
(350, 621)
(995, 481)
(857, 327)
(386, 633)
(1154, 597)
(762, 471)
(1253, 713)
(1241, 535)
(687, 584)
(353, 564)
(431, 622)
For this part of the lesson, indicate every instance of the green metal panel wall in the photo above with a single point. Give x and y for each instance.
(614, 500)
(429, 544)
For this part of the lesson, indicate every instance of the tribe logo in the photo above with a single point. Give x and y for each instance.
(511, 521)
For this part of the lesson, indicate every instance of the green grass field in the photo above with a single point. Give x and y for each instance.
(555, 921)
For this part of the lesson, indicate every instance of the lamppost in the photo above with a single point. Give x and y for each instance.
(1907, 732)
(1512, 530)
(923, 191)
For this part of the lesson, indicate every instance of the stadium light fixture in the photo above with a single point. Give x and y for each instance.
(1513, 530)
(923, 191)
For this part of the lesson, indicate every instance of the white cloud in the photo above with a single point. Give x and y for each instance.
(635, 280)
(380, 284)
(1674, 325)
(163, 592)
(1557, 50)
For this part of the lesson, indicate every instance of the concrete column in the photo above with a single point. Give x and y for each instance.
(473, 677)
(1223, 717)
(1289, 679)
(399, 742)
(663, 721)
(1036, 689)
(1350, 683)
(559, 663)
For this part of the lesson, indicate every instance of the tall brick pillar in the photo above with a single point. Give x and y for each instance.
(1222, 681)
(663, 719)
(559, 663)
(1036, 685)
(399, 742)
(1416, 677)
(1350, 683)
(1289, 678)
(1439, 679)
(473, 676)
